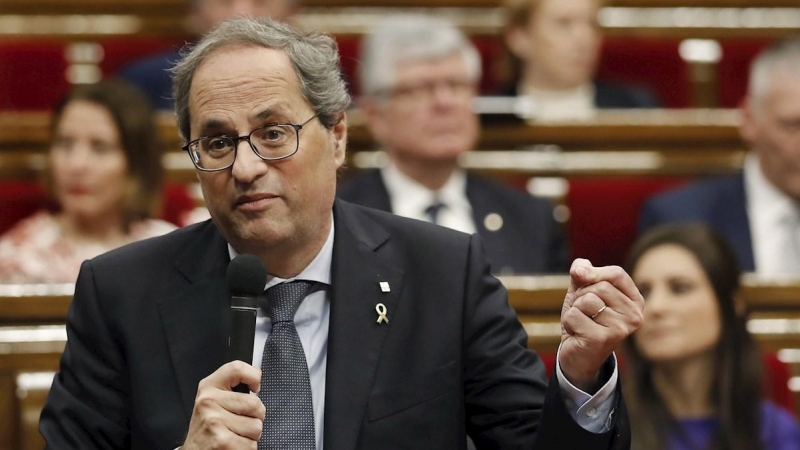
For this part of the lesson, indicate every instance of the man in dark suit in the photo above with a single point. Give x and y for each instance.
(556, 45)
(375, 331)
(419, 78)
(151, 74)
(756, 210)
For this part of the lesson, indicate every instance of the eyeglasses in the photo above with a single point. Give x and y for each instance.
(271, 142)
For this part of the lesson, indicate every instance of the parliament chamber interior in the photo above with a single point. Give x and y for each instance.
(693, 55)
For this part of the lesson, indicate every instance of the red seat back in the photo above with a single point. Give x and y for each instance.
(604, 214)
(654, 63)
(32, 74)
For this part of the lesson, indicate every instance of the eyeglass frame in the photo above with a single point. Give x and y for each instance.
(237, 139)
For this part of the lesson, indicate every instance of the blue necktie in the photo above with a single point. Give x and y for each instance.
(285, 386)
(433, 211)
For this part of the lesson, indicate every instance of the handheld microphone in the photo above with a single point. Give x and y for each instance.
(247, 277)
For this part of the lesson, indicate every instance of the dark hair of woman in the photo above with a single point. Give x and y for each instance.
(737, 374)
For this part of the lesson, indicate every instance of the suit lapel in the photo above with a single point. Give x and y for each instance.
(195, 318)
(732, 215)
(483, 205)
(355, 338)
(374, 193)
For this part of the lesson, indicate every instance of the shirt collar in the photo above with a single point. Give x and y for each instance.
(407, 195)
(319, 270)
(763, 196)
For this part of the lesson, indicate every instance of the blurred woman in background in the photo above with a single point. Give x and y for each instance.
(105, 175)
(694, 380)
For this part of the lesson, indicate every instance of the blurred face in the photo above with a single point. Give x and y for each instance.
(208, 13)
(771, 125)
(88, 164)
(561, 44)
(428, 114)
(258, 204)
(681, 315)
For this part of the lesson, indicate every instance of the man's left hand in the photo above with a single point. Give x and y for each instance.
(602, 308)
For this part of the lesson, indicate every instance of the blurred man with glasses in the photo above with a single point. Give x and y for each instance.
(419, 78)
(374, 331)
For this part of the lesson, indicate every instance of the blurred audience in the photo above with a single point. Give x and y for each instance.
(105, 174)
(419, 78)
(694, 372)
(152, 75)
(757, 210)
(556, 47)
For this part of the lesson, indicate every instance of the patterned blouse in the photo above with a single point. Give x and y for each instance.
(36, 251)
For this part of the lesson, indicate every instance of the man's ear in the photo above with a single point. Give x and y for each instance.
(518, 41)
(339, 136)
(747, 119)
(374, 117)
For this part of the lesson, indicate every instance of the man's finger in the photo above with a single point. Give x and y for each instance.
(580, 274)
(240, 404)
(620, 279)
(231, 374)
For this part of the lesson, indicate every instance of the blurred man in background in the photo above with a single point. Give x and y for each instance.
(151, 74)
(419, 78)
(759, 209)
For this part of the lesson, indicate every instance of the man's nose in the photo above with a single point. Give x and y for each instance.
(247, 166)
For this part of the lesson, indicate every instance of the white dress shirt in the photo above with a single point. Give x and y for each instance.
(593, 413)
(409, 198)
(562, 106)
(311, 320)
(770, 213)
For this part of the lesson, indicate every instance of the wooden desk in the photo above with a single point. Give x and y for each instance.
(718, 19)
(31, 352)
(689, 129)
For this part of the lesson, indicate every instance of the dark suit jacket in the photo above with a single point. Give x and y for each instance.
(152, 76)
(530, 241)
(719, 202)
(150, 320)
(606, 96)
(609, 95)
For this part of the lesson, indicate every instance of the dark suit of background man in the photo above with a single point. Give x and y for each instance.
(151, 74)
(756, 210)
(419, 79)
(407, 340)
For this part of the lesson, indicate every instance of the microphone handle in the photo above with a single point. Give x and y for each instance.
(243, 332)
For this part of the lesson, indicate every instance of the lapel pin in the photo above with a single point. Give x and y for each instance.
(385, 286)
(381, 309)
(493, 222)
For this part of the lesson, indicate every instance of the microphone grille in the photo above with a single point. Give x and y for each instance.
(246, 275)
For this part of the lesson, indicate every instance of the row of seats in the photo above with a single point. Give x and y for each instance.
(49, 65)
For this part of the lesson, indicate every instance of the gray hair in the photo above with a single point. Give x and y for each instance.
(314, 56)
(410, 38)
(783, 56)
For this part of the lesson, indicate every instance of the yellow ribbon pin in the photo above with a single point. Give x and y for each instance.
(381, 309)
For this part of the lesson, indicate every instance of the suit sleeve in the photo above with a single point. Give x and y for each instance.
(87, 404)
(509, 403)
(649, 216)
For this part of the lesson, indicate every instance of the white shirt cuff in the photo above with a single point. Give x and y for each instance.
(592, 413)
